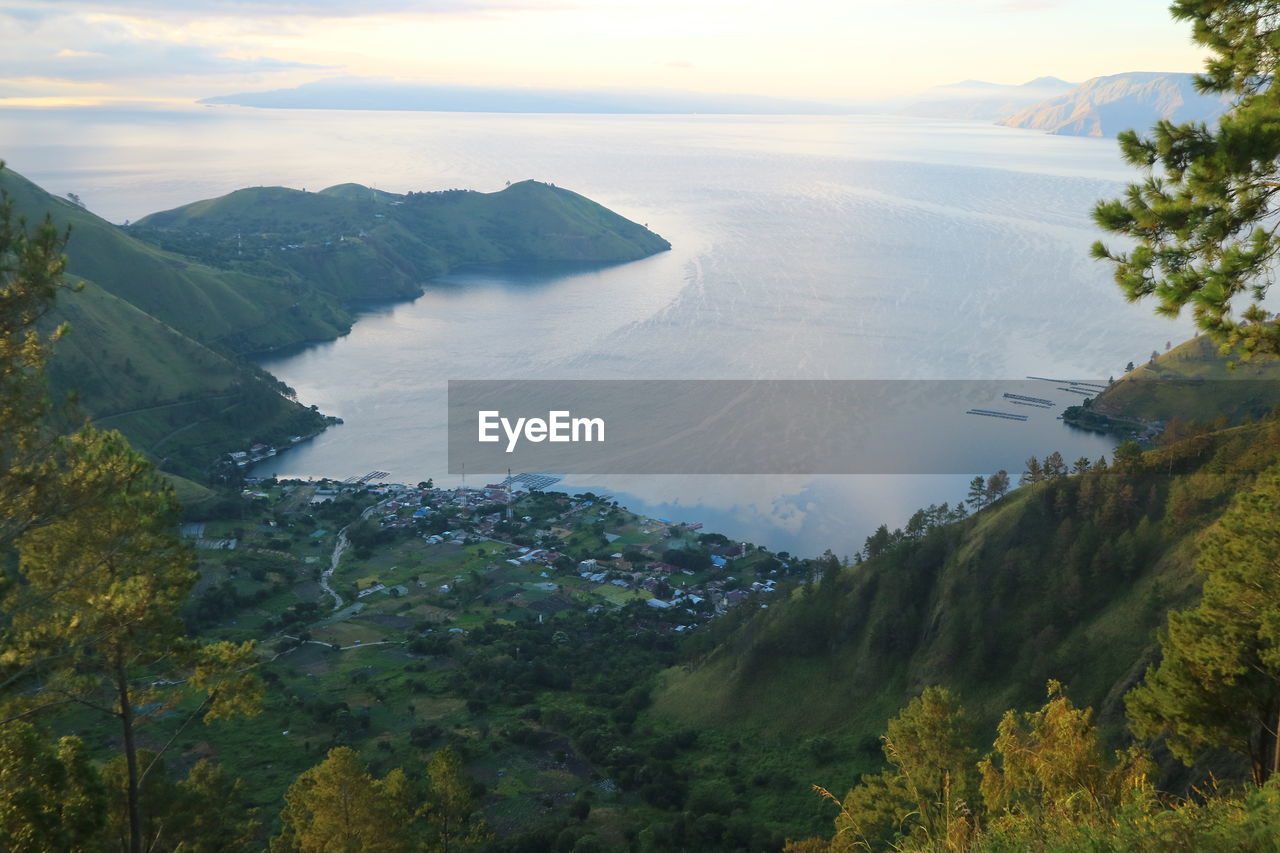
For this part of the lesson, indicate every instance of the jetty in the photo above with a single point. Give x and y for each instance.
(1039, 401)
(372, 475)
(989, 413)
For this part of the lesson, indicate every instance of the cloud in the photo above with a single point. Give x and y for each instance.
(268, 8)
(679, 63)
(140, 59)
(77, 50)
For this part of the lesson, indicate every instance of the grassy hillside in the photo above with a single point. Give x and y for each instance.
(352, 242)
(160, 328)
(235, 310)
(1191, 383)
(1066, 579)
(176, 394)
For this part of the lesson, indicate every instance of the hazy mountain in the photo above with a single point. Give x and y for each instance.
(350, 93)
(978, 100)
(1104, 106)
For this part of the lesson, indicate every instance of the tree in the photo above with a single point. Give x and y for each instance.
(1202, 215)
(879, 542)
(92, 610)
(1054, 467)
(1218, 683)
(1033, 473)
(210, 814)
(51, 798)
(339, 807)
(1081, 465)
(997, 485)
(450, 809)
(1127, 455)
(31, 266)
(929, 787)
(1049, 771)
(977, 497)
(97, 606)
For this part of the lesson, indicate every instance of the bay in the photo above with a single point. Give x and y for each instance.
(858, 247)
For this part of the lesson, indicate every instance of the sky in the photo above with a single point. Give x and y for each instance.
(103, 51)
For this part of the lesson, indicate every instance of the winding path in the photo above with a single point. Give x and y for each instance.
(339, 547)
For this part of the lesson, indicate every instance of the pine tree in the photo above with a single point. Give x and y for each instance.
(1033, 473)
(997, 486)
(930, 787)
(977, 497)
(339, 806)
(1202, 214)
(100, 572)
(98, 605)
(1054, 467)
(1218, 683)
(31, 266)
(1049, 770)
(451, 807)
(51, 797)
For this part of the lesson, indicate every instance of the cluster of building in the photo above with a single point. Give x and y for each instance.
(699, 594)
(258, 452)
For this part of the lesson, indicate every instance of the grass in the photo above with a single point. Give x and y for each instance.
(1193, 382)
(158, 330)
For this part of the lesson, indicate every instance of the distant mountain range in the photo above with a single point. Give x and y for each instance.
(1104, 106)
(351, 93)
(978, 100)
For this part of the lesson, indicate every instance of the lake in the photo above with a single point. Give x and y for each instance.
(859, 247)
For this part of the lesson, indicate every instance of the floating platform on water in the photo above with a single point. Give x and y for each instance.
(532, 482)
(989, 413)
(1078, 391)
(372, 475)
(1040, 401)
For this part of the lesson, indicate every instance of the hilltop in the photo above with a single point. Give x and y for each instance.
(1192, 385)
(173, 305)
(351, 242)
(1105, 106)
(146, 354)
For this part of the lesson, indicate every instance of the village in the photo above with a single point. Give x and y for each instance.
(363, 561)
(386, 616)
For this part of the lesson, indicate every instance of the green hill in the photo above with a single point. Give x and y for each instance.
(1065, 579)
(235, 310)
(350, 242)
(171, 305)
(142, 354)
(1191, 383)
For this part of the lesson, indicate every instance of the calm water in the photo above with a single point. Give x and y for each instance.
(831, 247)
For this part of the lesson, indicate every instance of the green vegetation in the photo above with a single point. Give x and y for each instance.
(394, 668)
(170, 307)
(352, 242)
(1048, 785)
(1191, 388)
(1201, 217)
